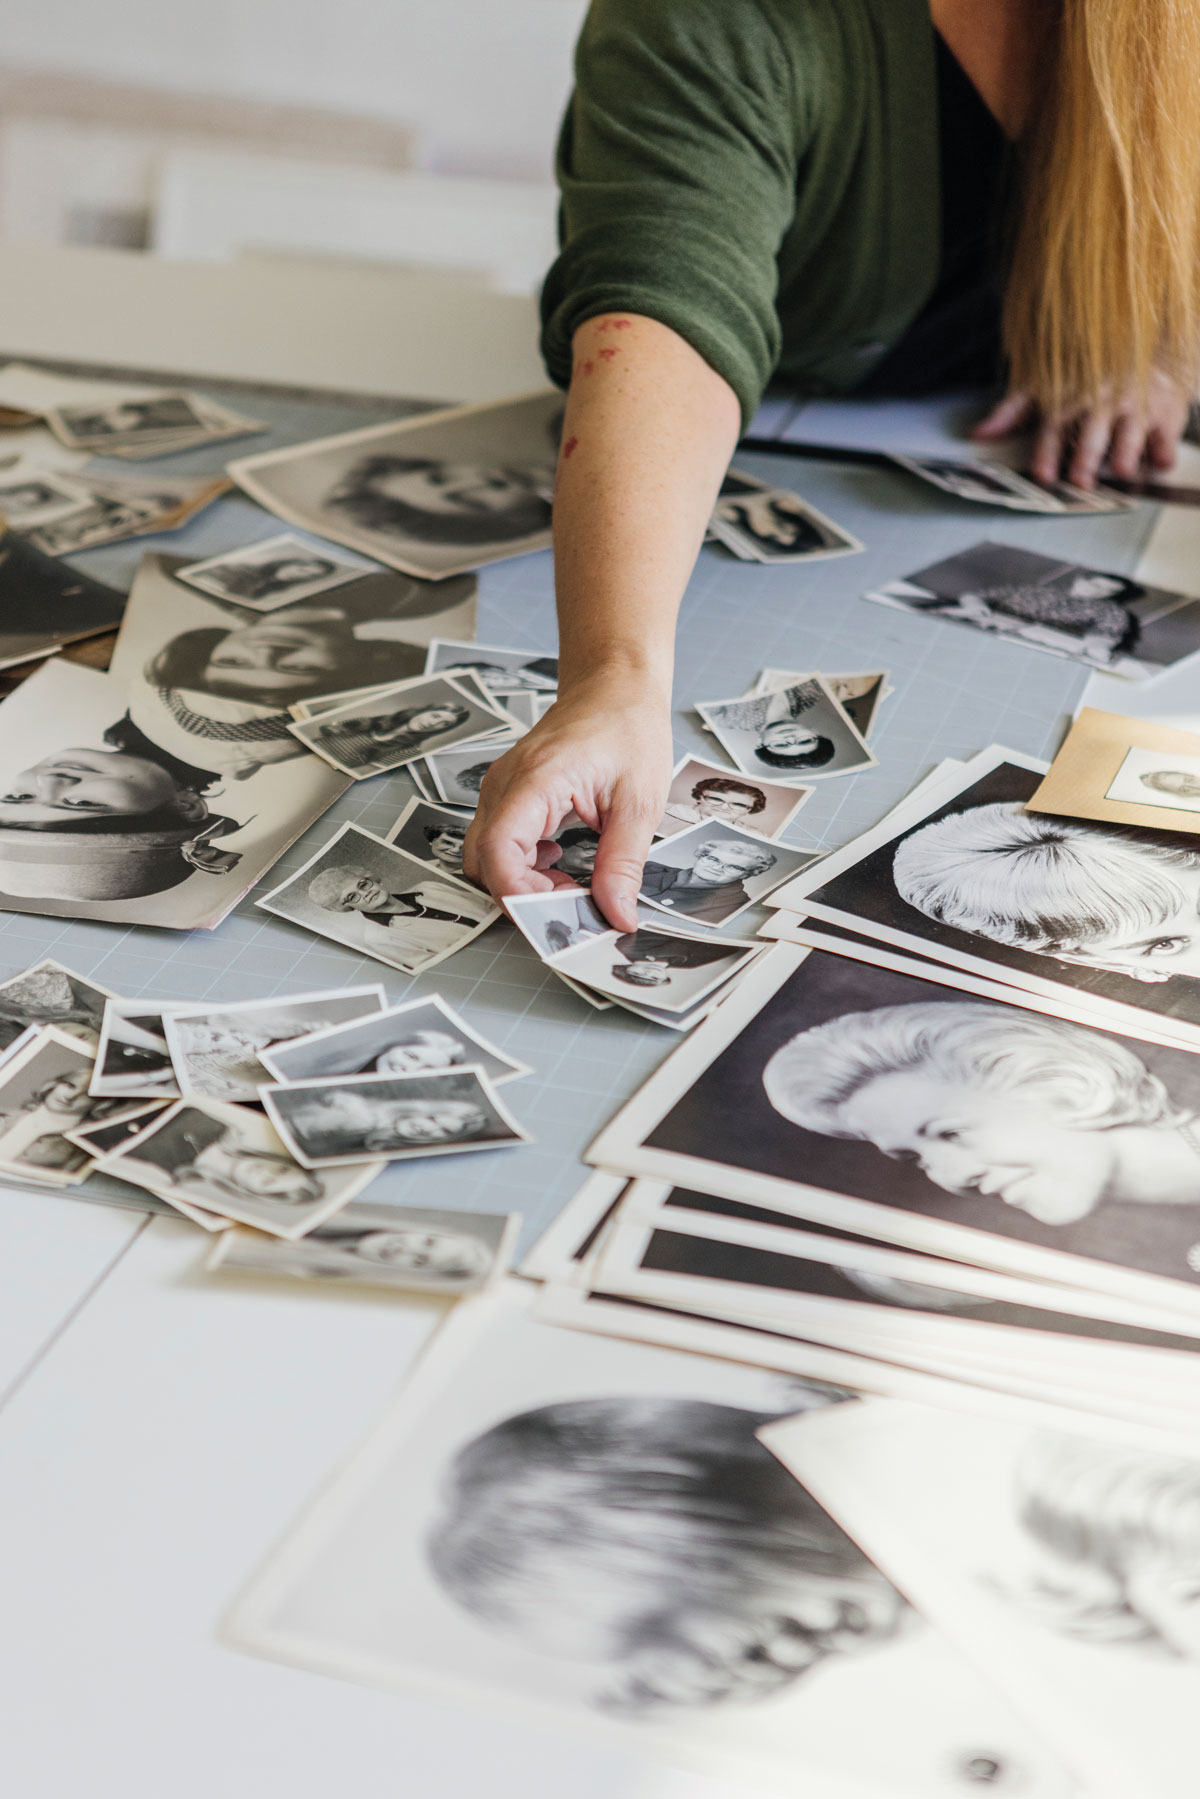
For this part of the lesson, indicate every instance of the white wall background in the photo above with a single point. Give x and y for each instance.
(482, 81)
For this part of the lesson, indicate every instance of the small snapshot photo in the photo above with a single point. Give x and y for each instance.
(502, 672)
(330, 1122)
(133, 1060)
(364, 892)
(760, 523)
(370, 736)
(433, 496)
(709, 873)
(553, 922)
(704, 792)
(228, 1160)
(273, 573)
(44, 1093)
(458, 775)
(668, 969)
(1153, 778)
(1094, 616)
(127, 1121)
(159, 415)
(52, 994)
(432, 834)
(413, 1249)
(796, 735)
(992, 484)
(31, 497)
(423, 1036)
(215, 1050)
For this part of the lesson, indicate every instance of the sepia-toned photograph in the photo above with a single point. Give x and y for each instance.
(99, 819)
(922, 1107)
(328, 1122)
(422, 1036)
(670, 970)
(216, 1050)
(432, 834)
(361, 891)
(45, 604)
(760, 523)
(133, 1060)
(400, 724)
(1094, 616)
(701, 1603)
(275, 572)
(701, 791)
(432, 495)
(1124, 771)
(710, 873)
(798, 734)
(51, 994)
(229, 1161)
(411, 1249)
(503, 673)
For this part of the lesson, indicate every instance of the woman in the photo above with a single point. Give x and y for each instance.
(421, 1053)
(1093, 894)
(874, 197)
(440, 502)
(342, 1123)
(994, 1102)
(1085, 614)
(1117, 1536)
(389, 735)
(445, 844)
(263, 580)
(659, 1537)
(720, 797)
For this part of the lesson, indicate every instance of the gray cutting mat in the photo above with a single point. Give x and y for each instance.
(956, 691)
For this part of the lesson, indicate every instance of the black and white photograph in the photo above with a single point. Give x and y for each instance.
(760, 523)
(228, 1161)
(921, 1107)
(32, 496)
(410, 1249)
(110, 508)
(503, 673)
(797, 735)
(277, 571)
(592, 1528)
(458, 775)
(158, 415)
(48, 993)
(1057, 906)
(215, 687)
(1151, 778)
(578, 845)
(361, 891)
(1093, 616)
(669, 970)
(45, 604)
(432, 834)
(43, 1093)
(553, 922)
(129, 1120)
(423, 1036)
(701, 791)
(401, 724)
(99, 819)
(397, 1116)
(433, 495)
(710, 873)
(994, 484)
(133, 1060)
(1060, 1557)
(216, 1050)
(859, 694)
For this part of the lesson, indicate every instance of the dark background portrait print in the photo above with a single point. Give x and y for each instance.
(725, 1118)
(868, 891)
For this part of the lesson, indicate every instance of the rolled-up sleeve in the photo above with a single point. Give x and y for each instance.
(678, 165)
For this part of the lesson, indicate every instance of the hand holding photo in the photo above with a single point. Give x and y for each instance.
(329, 1122)
(274, 572)
(432, 834)
(671, 970)
(361, 891)
(1089, 615)
(1124, 771)
(710, 873)
(228, 1161)
(402, 723)
(798, 734)
(994, 484)
(760, 523)
(423, 1036)
(408, 1248)
(216, 1050)
(701, 791)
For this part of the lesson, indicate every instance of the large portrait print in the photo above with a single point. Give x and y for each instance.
(921, 1107)
(433, 495)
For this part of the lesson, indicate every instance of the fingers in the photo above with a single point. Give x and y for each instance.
(501, 851)
(624, 845)
(1161, 446)
(1091, 447)
(1009, 416)
(1047, 453)
(1128, 447)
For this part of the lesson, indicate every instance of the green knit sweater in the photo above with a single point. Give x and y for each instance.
(760, 175)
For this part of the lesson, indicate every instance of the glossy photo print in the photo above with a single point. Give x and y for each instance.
(1124, 771)
(216, 1050)
(796, 735)
(328, 1122)
(423, 1036)
(401, 724)
(701, 791)
(433, 495)
(712, 872)
(277, 571)
(410, 1249)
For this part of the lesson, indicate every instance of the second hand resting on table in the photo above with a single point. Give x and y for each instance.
(649, 432)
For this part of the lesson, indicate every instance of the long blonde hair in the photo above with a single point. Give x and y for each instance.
(1104, 283)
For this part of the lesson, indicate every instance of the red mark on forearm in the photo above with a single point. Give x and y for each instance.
(608, 354)
(570, 447)
(614, 325)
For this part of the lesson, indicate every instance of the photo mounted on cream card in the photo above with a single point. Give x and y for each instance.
(275, 572)
(701, 791)
(1126, 771)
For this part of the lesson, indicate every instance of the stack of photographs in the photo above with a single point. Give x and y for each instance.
(796, 732)
(995, 484)
(108, 508)
(391, 727)
(146, 422)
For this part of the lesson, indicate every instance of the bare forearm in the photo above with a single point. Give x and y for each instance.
(648, 434)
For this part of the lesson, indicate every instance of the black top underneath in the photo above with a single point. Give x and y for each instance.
(955, 339)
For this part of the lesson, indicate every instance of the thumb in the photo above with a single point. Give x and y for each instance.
(625, 839)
